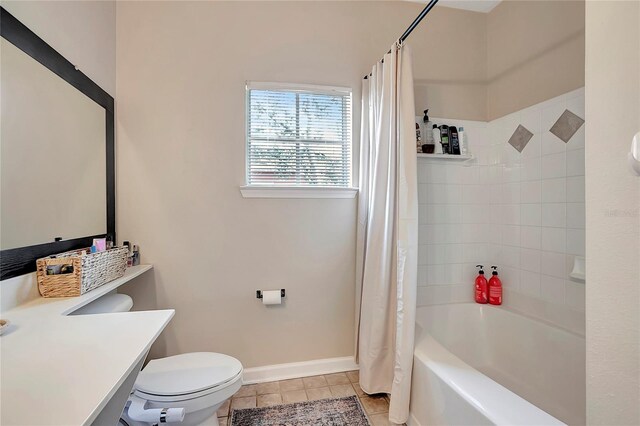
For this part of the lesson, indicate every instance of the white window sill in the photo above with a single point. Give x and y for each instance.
(296, 192)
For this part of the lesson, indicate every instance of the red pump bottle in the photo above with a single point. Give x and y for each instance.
(482, 287)
(495, 288)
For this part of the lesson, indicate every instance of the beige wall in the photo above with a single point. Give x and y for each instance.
(613, 213)
(81, 31)
(182, 68)
(535, 51)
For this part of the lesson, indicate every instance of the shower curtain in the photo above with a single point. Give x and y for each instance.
(387, 249)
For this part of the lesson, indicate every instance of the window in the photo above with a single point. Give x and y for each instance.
(298, 136)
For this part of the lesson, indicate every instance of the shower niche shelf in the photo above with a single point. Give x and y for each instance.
(445, 157)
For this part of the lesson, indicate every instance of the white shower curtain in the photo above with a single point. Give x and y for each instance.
(387, 249)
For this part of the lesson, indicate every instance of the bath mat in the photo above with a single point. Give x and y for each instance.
(323, 412)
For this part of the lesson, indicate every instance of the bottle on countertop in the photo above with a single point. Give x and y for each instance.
(481, 286)
(127, 244)
(135, 255)
(462, 140)
(495, 288)
(418, 139)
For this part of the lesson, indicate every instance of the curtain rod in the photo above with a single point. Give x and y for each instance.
(414, 24)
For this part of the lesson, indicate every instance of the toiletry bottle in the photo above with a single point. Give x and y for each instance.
(481, 286)
(418, 139)
(495, 288)
(129, 255)
(444, 138)
(428, 136)
(136, 255)
(462, 140)
(454, 143)
(436, 139)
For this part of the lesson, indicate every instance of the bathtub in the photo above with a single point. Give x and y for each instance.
(484, 365)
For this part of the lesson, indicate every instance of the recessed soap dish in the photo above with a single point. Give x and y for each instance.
(579, 269)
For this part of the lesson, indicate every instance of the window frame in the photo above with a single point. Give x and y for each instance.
(297, 191)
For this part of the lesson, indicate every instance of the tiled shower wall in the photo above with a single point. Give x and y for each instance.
(521, 211)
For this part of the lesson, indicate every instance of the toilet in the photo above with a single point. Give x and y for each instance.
(186, 389)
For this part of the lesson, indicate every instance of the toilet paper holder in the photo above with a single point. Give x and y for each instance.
(259, 293)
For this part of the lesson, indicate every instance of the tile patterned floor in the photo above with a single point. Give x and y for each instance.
(308, 389)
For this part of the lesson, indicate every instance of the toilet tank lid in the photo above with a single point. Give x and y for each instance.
(187, 373)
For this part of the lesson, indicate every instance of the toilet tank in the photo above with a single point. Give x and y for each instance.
(110, 302)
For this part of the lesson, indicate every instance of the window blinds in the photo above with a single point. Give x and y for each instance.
(298, 136)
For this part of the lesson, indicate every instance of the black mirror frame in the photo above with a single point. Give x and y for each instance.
(22, 260)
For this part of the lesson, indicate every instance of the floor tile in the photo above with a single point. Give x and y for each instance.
(315, 382)
(358, 389)
(337, 379)
(223, 411)
(380, 420)
(269, 399)
(375, 404)
(354, 376)
(318, 393)
(342, 390)
(244, 402)
(246, 390)
(290, 397)
(290, 385)
(269, 387)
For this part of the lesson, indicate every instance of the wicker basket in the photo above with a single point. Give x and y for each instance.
(90, 271)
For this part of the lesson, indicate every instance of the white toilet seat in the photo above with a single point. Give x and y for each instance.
(193, 395)
(187, 374)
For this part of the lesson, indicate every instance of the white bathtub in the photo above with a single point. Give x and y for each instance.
(482, 365)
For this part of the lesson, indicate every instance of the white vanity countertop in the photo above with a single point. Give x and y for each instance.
(60, 369)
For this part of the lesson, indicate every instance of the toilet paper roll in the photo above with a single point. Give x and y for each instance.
(271, 297)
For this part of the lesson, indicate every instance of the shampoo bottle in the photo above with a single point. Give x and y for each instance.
(495, 288)
(481, 286)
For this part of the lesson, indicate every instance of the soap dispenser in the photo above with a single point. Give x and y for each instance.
(495, 288)
(481, 286)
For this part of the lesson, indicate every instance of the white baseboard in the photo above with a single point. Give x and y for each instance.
(271, 373)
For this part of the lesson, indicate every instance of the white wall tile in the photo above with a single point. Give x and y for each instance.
(530, 214)
(510, 193)
(533, 148)
(554, 215)
(511, 235)
(576, 215)
(577, 140)
(531, 192)
(552, 263)
(531, 169)
(530, 283)
(531, 118)
(510, 214)
(554, 165)
(575, 189)
(531, 237)
(554, 190)
(576, 241)
(575, 162)
(530, 260)
(554, 239)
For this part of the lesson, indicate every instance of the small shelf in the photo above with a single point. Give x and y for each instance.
(446, 157)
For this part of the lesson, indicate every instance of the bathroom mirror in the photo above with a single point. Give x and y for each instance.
(56, 153)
